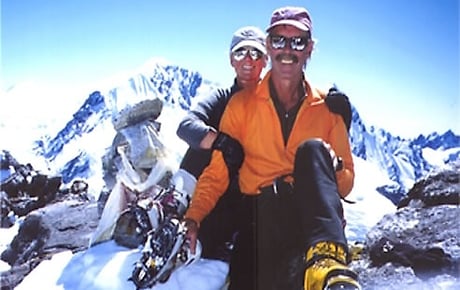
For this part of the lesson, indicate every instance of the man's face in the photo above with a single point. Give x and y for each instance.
(248, 63)
(289, 49)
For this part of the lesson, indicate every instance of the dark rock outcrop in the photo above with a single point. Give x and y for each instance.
(65, 225)
(417, 247)
(441, 187)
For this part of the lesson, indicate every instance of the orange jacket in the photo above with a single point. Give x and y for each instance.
(251, 118)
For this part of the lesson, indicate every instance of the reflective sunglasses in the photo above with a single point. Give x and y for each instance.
(241, 53)
(296, 43)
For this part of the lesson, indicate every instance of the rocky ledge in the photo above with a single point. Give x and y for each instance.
(416, 247)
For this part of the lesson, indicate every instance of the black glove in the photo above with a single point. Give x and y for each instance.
(338, 103)
(231, 150)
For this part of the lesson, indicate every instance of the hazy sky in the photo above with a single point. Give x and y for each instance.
(397, 60)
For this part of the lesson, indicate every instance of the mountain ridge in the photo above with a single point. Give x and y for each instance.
(402, 160)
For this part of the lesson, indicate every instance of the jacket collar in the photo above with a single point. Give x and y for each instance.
(263, 90)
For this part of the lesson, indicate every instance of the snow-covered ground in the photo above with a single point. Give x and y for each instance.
(108, 266)
(370, 206)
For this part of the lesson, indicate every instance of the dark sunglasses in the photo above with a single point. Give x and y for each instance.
(241, 53)
(296, 43)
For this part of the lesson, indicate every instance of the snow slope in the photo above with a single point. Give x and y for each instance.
(108, 266)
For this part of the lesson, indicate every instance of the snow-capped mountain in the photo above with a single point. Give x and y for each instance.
(402, 161)
(91, 122)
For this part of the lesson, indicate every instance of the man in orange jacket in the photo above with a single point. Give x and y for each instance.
(297, 166)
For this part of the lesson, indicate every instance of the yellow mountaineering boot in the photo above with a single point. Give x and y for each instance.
(327, 269)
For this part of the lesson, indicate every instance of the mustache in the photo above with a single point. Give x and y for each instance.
(287, 56)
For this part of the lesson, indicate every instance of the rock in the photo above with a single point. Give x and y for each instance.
(424, 261)
(391, 277)
(65, 225)
(14, 276)
(440, 187)
(26, 190)
(7, 161)
(421, 228)
(417, 247)
(148, 109)
(70, 223)
(28, 243)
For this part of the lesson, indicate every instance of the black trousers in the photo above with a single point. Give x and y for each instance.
(218, 229)
(276, 230)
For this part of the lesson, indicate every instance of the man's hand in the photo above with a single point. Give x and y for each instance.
(231, 150)
(192, 233)
(337, 163)
(208, 139)
(338, 103)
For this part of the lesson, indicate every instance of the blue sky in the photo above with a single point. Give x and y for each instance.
(397, 60)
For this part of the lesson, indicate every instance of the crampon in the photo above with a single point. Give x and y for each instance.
(165, 250)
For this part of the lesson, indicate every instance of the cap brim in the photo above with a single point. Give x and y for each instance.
(289, 22)
(251, 43)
